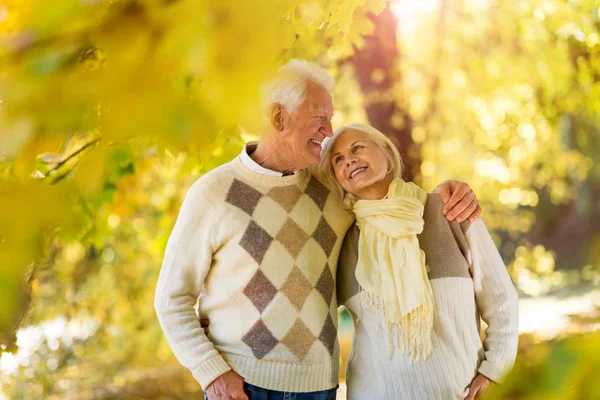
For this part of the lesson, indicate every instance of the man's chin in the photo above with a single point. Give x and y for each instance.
(310, 159)
(315, 155)
(315, 160)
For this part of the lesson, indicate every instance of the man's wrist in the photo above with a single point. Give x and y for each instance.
(210, 370)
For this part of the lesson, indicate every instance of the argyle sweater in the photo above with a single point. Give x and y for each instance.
(259, 253)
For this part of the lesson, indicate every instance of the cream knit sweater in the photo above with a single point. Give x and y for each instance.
(469, 282)
(259, 253)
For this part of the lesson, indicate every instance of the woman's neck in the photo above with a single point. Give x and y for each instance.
(376, 191)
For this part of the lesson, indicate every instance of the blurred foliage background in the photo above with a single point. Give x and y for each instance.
(110, 109)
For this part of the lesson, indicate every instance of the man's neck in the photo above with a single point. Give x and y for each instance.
(273, 154)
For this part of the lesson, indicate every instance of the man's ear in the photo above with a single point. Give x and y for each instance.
(277, 117)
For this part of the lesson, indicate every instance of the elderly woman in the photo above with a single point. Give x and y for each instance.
(414, 283)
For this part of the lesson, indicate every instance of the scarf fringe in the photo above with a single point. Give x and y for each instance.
(412, 334)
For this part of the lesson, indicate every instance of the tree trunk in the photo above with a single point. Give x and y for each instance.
(376, 68)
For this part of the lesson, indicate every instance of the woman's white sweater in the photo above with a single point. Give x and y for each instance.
(469, 282)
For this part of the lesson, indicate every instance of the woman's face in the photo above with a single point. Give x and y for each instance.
(360, 165)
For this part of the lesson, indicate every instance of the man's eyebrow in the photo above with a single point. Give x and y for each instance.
(323, 110)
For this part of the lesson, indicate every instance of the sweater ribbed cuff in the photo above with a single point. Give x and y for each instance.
(210, 370)
(491, 371)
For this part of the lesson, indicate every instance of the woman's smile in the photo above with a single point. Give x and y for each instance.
(357, 171)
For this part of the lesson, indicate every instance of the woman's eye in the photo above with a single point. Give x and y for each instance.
(337, 159)
(356, 148)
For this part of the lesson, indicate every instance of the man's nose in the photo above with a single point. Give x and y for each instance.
(327, 129)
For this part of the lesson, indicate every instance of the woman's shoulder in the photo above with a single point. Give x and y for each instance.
(434, 214)
(434, 200)
(438, 232)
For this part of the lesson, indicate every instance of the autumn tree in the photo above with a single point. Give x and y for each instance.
(111, 109)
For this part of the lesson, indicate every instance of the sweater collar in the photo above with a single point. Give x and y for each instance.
(245, 158)
(254, 172)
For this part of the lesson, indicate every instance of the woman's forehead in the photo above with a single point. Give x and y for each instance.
(347, 137)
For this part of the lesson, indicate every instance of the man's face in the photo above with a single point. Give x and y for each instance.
(310, 124)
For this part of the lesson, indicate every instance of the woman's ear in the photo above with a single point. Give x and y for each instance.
(277, 114)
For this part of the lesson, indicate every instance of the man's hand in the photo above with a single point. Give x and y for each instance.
(460, 203)
(479, 385)
(229, 386)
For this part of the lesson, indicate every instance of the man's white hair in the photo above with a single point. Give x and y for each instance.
(288, 86)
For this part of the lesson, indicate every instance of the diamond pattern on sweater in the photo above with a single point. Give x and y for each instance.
(256, 241)
(328, 334)
(273, 216)
(312, 251)
(306, 206)
(260, 339)
(325, 285)
(318, 192)
(296, 288)
(314, 311)
(289, 238)
(279, 316)
(299, 339)
(243, 196)
(283, 261)
(292, 237)
(260, 291)
(325, 236)
(286, 196)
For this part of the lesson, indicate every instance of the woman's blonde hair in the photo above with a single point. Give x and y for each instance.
(327, 173)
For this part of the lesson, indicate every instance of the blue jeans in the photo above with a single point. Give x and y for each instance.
(257, 393)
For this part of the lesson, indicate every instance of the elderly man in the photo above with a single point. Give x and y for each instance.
(257, 243)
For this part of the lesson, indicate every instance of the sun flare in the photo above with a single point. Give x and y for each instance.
(410, 13)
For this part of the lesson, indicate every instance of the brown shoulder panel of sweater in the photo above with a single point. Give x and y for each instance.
(443, 242)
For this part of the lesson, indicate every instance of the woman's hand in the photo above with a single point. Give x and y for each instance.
(479, 385)
(460, 202)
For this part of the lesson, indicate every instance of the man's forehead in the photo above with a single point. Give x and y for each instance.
(318, 99)
(320, 109)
